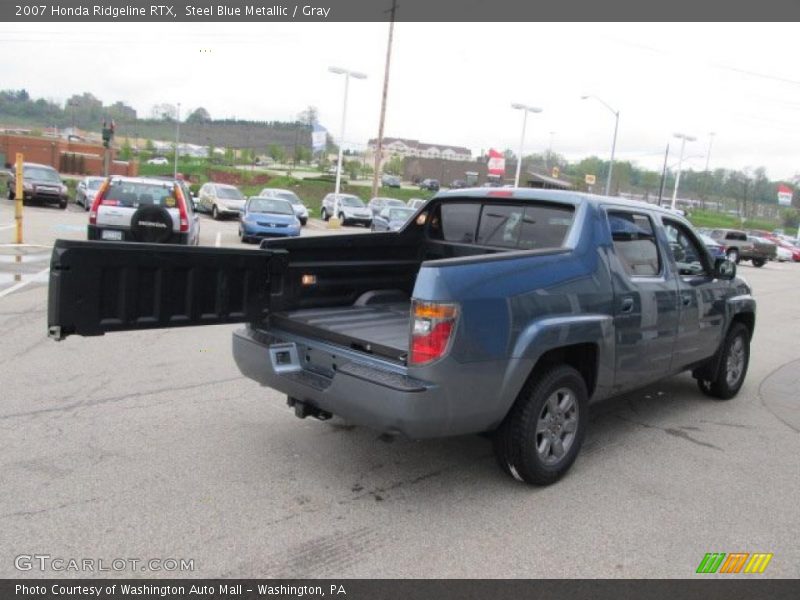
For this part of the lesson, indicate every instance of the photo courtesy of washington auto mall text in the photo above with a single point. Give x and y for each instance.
(399, 299)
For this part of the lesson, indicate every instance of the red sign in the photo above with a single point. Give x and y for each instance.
(497, 163)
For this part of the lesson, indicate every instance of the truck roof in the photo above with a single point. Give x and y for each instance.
(571, 197)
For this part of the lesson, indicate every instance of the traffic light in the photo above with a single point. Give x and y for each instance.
(108, 134)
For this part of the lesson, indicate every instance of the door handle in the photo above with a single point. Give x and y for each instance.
(627, 305)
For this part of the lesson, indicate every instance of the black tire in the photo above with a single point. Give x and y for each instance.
(214, 213)
(341, 218)
(151, 224)
(759, 262)
(523, 448)
(733, 255)
(324, 214)
(63, 204)
(731, 371)
(303, 222)
(11, 195)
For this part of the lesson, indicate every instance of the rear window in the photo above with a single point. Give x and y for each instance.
(229, 193)
(350, 201)
(513, 226)
(135, 194)
(290, 196)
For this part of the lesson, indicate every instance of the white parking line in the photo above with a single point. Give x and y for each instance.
(2, 227)
(218, 241)
(22, 284)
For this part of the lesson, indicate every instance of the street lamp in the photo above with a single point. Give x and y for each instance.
(347, 75)
(683, 138)
(177, 138)
(525, 110)
(613, 143)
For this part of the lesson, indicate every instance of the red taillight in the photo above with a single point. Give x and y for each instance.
(184, 216)
(98, 199)
(501, 193)
(432, 326)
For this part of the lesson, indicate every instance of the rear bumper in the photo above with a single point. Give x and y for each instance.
(95, 232)
(372, 394)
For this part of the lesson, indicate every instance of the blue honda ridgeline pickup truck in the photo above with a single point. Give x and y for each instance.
(504, 311)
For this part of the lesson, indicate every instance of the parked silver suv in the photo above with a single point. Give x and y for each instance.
(220, 200)
(348, 208)
(144, 209)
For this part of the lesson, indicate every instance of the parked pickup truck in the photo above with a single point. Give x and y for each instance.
(492, 310)
(738, 247)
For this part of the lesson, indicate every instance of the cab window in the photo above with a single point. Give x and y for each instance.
(635, 244)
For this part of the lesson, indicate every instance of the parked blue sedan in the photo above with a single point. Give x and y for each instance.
(268, 217)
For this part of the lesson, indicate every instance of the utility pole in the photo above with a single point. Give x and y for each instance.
(177, 138)
(663, 176)
(379, 141)
(708, 159)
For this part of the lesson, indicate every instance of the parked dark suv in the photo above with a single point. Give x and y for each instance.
(40, 183)
(430, 185)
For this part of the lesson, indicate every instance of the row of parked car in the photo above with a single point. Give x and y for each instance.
(163, 210)
(755, 246)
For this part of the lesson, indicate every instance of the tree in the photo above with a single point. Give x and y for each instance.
(276, 153)
(164, 111)
(198, 115)
(126, 151)
(309, 117)
(302, 154)
(394, 166)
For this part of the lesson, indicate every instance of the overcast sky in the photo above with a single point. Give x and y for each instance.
(451, 83)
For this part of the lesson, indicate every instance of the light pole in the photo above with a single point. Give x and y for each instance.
(614, 141)
(177, 138)
(683, 138)
(347, 75)
(525, 110)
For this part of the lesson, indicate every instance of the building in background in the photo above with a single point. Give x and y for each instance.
(407, 148)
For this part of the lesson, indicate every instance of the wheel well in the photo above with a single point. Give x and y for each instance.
(581, 357)
(747, 319)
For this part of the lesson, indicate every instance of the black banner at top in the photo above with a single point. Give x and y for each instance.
(406, 10)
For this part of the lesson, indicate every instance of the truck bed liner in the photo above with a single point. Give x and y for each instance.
(378, 329)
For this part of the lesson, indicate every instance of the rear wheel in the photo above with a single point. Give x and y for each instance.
(732, 366)
(62, 204)
(10, 194)
(303, 222)
(541, 436)
(214, 213)
(758, 262)
(324, 214)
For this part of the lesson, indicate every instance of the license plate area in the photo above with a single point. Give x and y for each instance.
(284, 358)
(111, 235)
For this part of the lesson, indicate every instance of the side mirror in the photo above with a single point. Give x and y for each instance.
(724, 269)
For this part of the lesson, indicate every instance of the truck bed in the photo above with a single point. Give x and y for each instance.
(381, 329)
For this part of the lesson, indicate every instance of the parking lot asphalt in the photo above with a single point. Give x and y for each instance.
(151, 445)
